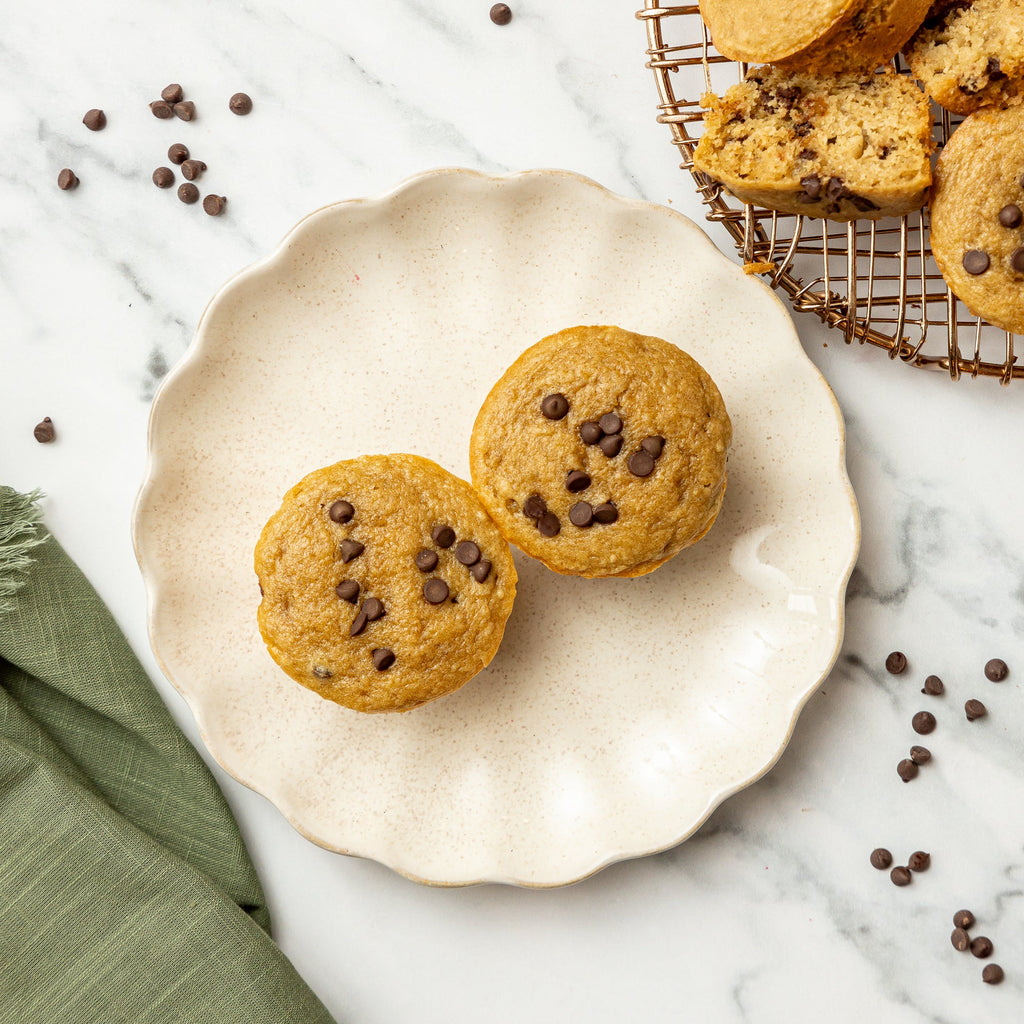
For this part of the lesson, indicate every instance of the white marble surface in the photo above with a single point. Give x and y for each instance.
(771, 913)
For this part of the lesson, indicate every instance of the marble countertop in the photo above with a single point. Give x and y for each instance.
(772, 911)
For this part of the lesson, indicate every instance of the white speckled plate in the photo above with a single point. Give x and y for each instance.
(618, 713)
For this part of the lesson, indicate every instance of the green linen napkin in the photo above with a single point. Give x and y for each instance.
(126, 892)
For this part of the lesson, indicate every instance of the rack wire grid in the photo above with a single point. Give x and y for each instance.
(875, 281)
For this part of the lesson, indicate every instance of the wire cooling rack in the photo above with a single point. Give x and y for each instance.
(875, 281)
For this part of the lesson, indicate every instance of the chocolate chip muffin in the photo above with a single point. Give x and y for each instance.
(385, 584)
(977, 223)
(969, 54)
(824, 35)
(601, 452)
(842, 147)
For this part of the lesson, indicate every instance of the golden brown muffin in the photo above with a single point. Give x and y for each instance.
(385, 584)
(842, 147)
(977, 216)
(602, 452)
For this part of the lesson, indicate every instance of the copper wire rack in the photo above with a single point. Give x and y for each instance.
(875, 281)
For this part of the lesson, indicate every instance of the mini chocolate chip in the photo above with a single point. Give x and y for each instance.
(923, 722)
(467, 552)
(383, 658)
(591, 432)
(881, 858)
(192, 169)
(577, 481)
(896, 663)
(94, 120)
(901, 876)
(184, 109)
(974, 709)
(907, 769)
(963, 919)
(501, 14)
(933, 685)
(443, 536)
(341, 512)
(240, 104)
(351, 549)
(1010, 216)
(982, 947)
(214, 205)
(163, 177)
(581, 514)
(920, 755)
(811, 186)
(611, 445)
(172, 93)
(67, 179)
(919, 861)
(641, 464)
(481, 570)
(435, 591)
(549, 525)
(426, 560)
(610, 423)
(653, 445)
(555, 406)
(534, 507)
(161, 109)
(960, 939)
(188, 193)
(976, 262)
(347, 590)
(321, 673)
(374, 608)
(43, 431)
(1017, 259)
(606, 513)
(358, 623)
(992, 974)
(177, 153)
(996, 670)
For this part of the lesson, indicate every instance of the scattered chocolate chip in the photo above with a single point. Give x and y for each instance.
(358, 623)
(881, 858)
(963, 919)
(606, 513)
(426, 560)
(43, 431)
(996, 670)
(172, 93)
(555, 406)
(341, 511)
(577, 481)
(214, 205)
(374, 608)
(443, 536)
(351, 549)
(992, 974)
(163, 177)
(240, 104)
(347, 590)
(549, 525)
(95, 120)
(435, 591)
(591, 432)
(1017, 259)
(811, 184)
(177, 153)
(67, 179)
(982, 947)
(901, 876)
(974, 709)
(960, 939)
(653, 445)
(581, 514)
(501, 14)
(610, 423)
(383, 658)
(641, 464)
(321, 673)
(185, 109)
(923, 722)
(467, 552)
(1010, 216)
(907, 769)
(976, 262)
(161, 109)
(192, 169)
(933, 686)
(919, 861)
(188, 193)
(896, 663)
(534, 507)
(481, 570)
(920, 755)
(611, 445)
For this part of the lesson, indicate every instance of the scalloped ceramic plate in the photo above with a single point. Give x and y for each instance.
(618, 713)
